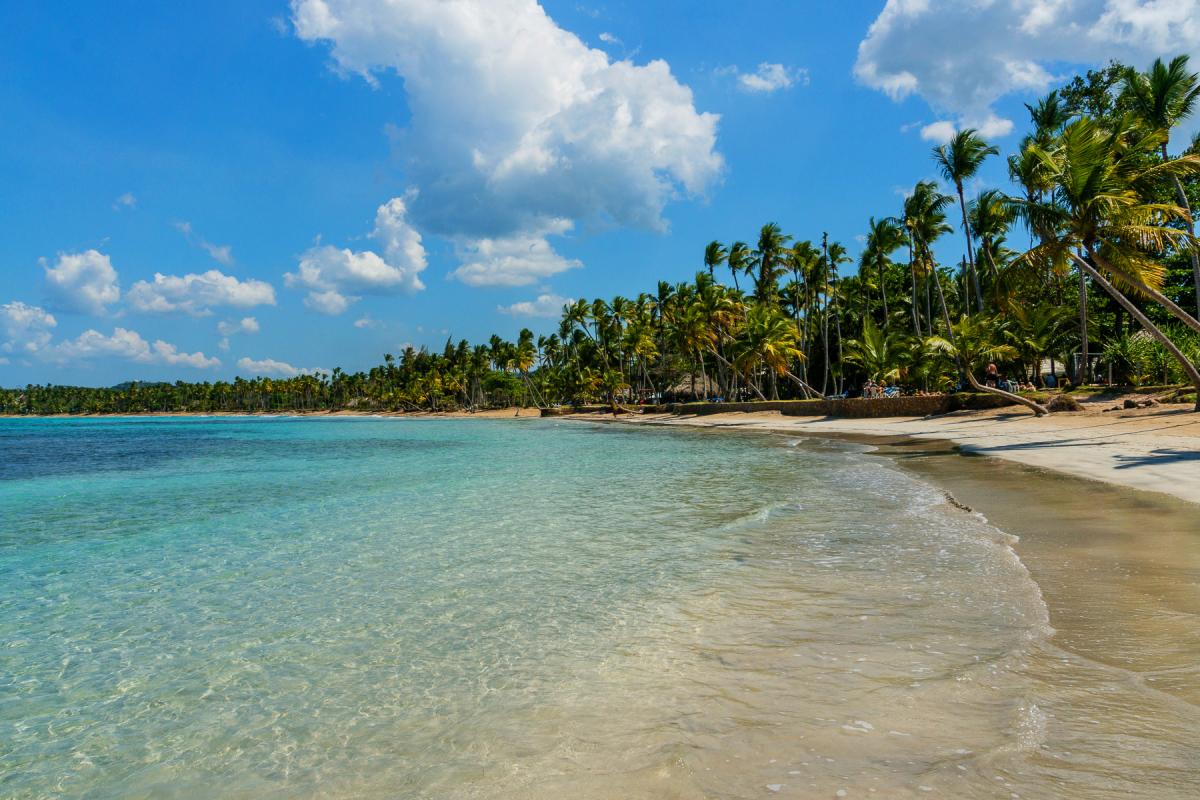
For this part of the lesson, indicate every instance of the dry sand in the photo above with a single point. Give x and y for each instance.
(1156, 449)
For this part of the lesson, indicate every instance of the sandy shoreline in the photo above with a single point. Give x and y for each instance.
(1155, 450)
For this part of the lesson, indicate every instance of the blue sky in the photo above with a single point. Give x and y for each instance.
(321, 183)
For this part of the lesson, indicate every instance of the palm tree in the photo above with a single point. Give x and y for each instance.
(768, 339)
(1097, 207)
(973, 343)
(884, 237)
(990, 215)
(1163, 97)
(772, 245)
(882, 355)
(1036, 332)
(740, 260)
(714, 256)
(959, 160)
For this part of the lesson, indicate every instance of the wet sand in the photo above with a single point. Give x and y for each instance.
(1117, 683)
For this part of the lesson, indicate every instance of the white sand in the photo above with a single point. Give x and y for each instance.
(1155, 450)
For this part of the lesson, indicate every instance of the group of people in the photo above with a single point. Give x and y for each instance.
(872, 389)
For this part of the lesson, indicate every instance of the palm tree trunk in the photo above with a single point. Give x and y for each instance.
(1189, 368)
(912, 270)
(883, 291)
(1081, 376)
(1160, 298)
(962, 202)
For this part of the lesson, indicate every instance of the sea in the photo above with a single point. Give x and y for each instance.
(356, 607)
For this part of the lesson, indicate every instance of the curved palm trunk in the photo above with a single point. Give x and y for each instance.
(1037, 408)
(1155, 295)
(1189, 368)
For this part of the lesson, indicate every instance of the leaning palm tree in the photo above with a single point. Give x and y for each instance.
(1097, 208)
(1163, 97)
(959, 160)
(973, 342)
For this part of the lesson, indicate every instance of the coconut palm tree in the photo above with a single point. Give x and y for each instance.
(959, 160)
(1162, 97)
(714, 256)
(772, 247)
(740, 260)
(973, 342)
(882, 355)
(884, 237)
(1097, 208)
(990, 215)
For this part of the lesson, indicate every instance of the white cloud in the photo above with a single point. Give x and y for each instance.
(517, 260)
(961, 56)
(547, 306)
(84, 282)
(125, 344)
(769, 78)
(168, 354)
(941, 131)
(198, 294)
(366, 322)
(26, 328)
(515, 122)
(244, 325)
(336, 277)
(221, 253)
(269, 366)
(126, 200)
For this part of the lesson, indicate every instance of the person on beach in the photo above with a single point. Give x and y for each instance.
(991, 375)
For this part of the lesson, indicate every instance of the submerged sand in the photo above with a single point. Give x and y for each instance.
(1156, 450)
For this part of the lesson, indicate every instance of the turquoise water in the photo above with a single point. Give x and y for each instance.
(275, 607)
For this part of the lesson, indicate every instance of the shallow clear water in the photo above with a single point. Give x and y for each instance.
(273, 607)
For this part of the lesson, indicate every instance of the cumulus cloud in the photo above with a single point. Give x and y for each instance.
(547, 306)
(608, 38)
(82, 282)
(244, 325)
(125, 344)
(515, 121)
(221, 253)
(269, 366)
(337, 277)
(919, 47)
(517, 260)
(198, 294)
(366, 322)
(26, 328)
(126, 200)
(941, 131)
(768, 78)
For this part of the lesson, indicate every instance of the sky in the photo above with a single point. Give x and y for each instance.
(258, 187)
